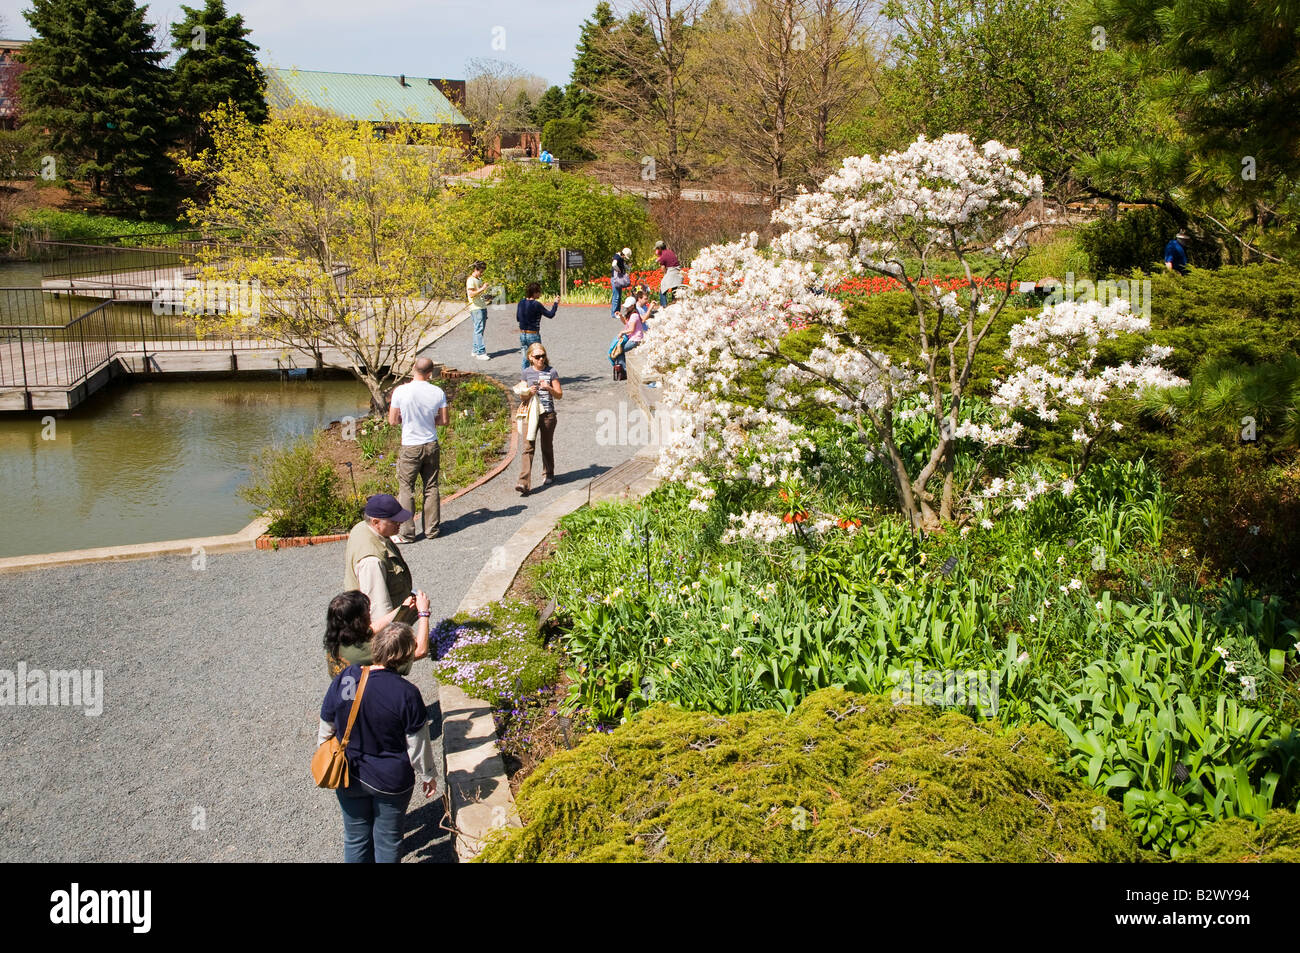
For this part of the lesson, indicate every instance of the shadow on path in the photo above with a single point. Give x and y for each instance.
(477, 517)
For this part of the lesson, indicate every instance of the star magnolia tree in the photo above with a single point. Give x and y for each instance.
(943, 197)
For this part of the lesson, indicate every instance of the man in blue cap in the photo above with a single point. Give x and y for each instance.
(375, 565)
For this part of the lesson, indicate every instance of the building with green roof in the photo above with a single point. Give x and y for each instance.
(368, 98)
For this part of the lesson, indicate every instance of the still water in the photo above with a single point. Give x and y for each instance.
(143, 462)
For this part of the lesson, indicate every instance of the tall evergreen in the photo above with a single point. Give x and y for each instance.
(217, 65)
(592, 65)
(551, 105)
(94, 81)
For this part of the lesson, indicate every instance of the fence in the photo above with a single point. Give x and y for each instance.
(55, 356)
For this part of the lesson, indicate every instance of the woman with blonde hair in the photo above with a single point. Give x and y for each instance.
(538, 392)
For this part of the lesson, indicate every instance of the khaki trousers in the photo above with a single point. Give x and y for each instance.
(546, 437)
(422, 462)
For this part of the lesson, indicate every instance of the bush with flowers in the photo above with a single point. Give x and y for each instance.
(881, 476)
(495, 653)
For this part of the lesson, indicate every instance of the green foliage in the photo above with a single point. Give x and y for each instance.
(591, 64)
(1018, 71)
(494, 653)
(1243, 314)
(94, 80)
(217, 65)
(1067, 612)
(1243, 841)
(60, 225)
(301, 491)
(550, 105)
(845, 778)
(1223, 394)
(1223, 84)
(562, 137)
(519, 222)
(1135, 239)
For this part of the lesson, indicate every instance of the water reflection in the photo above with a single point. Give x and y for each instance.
(151, 461)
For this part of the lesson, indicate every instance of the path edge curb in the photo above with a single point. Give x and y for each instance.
(481, 801)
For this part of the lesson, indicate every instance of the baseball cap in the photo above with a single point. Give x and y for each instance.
(661, 244)
(627, 253)
(384, 506)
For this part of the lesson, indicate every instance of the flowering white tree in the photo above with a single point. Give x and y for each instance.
(942, 197)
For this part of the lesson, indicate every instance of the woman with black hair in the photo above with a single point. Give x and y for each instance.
(348, 629)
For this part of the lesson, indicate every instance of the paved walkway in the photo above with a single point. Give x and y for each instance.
(213, 677)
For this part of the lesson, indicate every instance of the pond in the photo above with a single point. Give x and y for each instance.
(143, 462)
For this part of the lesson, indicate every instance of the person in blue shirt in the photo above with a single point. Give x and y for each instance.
(529, 315)
(545, 158)
(388, 747)
(1176, 254)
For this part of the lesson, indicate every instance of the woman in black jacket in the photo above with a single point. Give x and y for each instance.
(529, 315)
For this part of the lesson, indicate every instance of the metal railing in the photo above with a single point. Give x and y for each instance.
(41, 355)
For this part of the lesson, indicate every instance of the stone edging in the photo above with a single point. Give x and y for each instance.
(245, 539)
(478, 790)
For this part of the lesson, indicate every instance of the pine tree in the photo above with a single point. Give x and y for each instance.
(94, 81)
(551, 105)
(217, 65)
(592, 65)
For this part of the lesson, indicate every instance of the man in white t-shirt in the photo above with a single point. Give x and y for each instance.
(420, 407)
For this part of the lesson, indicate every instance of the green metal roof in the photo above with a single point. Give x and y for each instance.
(363, 97)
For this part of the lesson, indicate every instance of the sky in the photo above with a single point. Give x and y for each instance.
(415, 37)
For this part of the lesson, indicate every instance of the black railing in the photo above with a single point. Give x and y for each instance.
(39, 355)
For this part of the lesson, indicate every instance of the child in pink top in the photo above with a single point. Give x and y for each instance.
(632, 334)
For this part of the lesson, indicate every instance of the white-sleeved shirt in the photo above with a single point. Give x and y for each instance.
(419, 403)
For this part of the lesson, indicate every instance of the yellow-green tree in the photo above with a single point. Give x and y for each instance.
(345, 234)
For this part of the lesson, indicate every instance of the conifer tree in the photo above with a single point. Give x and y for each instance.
(95, 82)
(217, 65)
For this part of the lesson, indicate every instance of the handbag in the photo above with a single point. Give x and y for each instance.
(329, 765)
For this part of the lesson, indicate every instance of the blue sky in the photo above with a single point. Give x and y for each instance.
(416, 37)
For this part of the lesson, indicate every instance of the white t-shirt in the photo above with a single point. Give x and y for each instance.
(419, 403)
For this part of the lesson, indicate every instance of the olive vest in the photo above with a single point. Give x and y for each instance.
(363, 541)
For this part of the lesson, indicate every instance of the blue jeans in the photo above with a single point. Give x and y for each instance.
(627, 346)
(526, 340)
(479, 317)
(615, 301)
(372, 824)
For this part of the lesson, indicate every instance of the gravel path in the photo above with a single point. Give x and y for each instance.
(213, 677)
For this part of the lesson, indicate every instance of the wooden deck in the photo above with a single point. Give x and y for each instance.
(75, 377)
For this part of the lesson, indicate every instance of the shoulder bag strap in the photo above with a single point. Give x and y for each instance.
(356, 706)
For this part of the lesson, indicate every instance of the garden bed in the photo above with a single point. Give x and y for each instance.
(315, 488)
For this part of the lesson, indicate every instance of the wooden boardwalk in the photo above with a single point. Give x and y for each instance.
(69, 371)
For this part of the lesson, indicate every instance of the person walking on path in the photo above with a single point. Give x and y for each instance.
(541, 387)
(420, 407)
(619, 278)
(627, 339)
(529, 315)
(349, 628)
(373, 564)
(1176, 253)
(476, 292)
(389, 743)
(671, 279)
